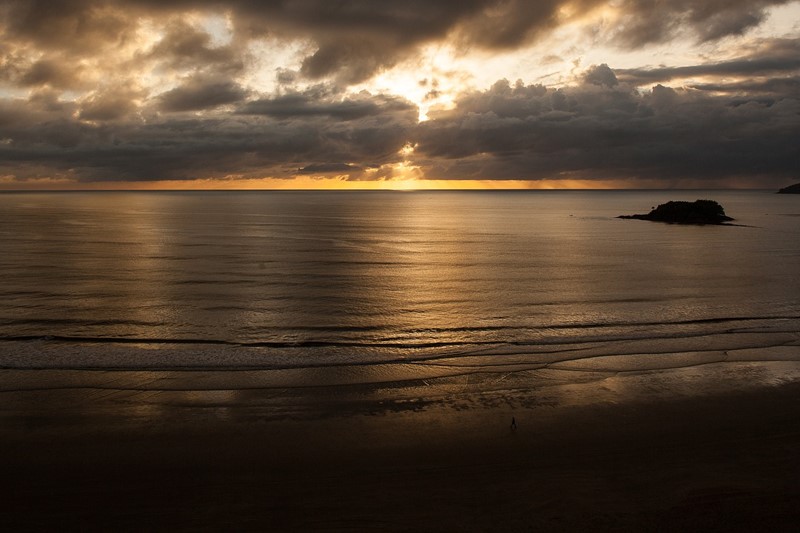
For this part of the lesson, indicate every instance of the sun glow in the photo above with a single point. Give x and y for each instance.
(433, 80)
(397, 182)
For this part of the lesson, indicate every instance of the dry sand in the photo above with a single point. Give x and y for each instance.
(89, 450)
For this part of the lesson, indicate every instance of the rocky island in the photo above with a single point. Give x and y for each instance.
(791, 189)
(678, 212)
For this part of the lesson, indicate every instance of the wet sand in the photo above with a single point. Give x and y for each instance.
(90, 451)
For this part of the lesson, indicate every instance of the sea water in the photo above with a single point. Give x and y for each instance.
(431, 282)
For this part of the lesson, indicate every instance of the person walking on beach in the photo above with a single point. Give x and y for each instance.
(513, 423)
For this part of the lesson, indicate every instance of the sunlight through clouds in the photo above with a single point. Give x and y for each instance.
(102, 92)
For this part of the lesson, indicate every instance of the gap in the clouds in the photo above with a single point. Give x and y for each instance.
(432, 80)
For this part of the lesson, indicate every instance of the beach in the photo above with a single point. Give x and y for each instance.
(102, 450)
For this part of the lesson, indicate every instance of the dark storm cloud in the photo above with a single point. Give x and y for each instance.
(200, 93)
(329, 168)
(776, 56)
(34, 136)
(317, 102)
(48, 100)
(508, 24)
(80, 26)
(653, 21)
(604, 131)
(601, 75)
(50, 72)
(361, 38)
(184, 46)
(355, 39)
(773, 88)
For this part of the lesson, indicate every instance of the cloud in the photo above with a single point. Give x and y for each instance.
(355, 40)
(600, 131)
(184, 46)
(601, 75)
(329, 168)
(773, 88)
(111, 103)
(322, 102)
(173, 146)
(73, 26)
(349, 42)
(773, 56)
(646, 22)
(50, 72)
(18, 70)
(511, 23)
(199, 93)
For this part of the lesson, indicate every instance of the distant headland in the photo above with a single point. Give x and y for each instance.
(791, 189)
(677, 212)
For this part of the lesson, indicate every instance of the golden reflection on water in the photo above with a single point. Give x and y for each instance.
(324, 279)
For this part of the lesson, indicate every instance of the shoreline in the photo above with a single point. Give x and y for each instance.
(620, 453)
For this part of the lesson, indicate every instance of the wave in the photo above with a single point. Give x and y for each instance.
(628, 351)
(766, 361)
(256, 344)
(74, 322)
(402, 338)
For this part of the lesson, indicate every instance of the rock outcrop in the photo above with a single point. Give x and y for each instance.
(677, 212)
(791, 189)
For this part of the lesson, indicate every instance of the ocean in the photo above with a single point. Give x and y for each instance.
(547, 285)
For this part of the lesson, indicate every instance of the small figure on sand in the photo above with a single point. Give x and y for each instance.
(513, 423)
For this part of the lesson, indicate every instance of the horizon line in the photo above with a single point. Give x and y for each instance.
(343, 190)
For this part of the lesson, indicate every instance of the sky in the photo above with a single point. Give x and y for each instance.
(418, 94)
